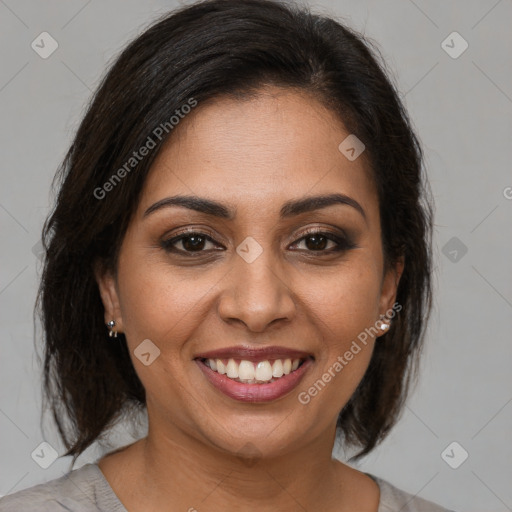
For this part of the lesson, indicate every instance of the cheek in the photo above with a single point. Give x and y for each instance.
(346, 302)
(151, 305)
(161, 303)
(163, 307)
(346, 307)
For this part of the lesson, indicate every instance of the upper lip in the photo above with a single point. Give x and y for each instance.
(254, 354)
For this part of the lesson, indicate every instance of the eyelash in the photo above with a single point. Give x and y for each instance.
(344, 244)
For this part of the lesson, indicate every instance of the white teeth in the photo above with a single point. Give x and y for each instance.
(251, 373)
(263, 371)
(277, 369)
(220, 366)
(232, 369)
(246, 371)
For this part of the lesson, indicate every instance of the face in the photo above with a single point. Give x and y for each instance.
(307, 279)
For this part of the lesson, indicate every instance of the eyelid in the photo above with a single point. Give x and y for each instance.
(194, 231)
(321, 230)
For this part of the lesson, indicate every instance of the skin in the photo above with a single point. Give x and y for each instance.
(252, 156)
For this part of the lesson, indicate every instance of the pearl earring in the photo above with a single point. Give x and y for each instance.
(384, 325)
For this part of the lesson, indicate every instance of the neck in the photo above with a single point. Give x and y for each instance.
(171, 471)
(192, 475)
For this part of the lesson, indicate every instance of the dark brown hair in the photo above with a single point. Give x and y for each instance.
(204, 51)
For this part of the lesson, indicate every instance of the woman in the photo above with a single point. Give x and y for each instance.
(241, 247)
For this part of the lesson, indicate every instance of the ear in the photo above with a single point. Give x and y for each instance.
(109, 295)
(390, 286)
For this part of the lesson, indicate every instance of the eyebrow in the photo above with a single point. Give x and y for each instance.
(289, 209)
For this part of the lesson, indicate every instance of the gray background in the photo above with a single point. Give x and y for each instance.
(462, 110)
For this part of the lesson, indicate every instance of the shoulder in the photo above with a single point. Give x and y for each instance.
(393, 499)
(80, 490)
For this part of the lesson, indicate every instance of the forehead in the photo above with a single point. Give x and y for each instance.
(258, 152)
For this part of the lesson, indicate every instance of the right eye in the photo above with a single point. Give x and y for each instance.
(191, 242)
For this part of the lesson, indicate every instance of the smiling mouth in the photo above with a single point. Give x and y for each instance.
(254, 372)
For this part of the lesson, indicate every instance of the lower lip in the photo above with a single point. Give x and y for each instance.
(255, 392)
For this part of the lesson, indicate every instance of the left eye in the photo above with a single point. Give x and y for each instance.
(316, 241)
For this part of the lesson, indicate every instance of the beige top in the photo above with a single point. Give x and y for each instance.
(87, 490)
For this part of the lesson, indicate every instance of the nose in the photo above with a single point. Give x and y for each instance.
(256, 294)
